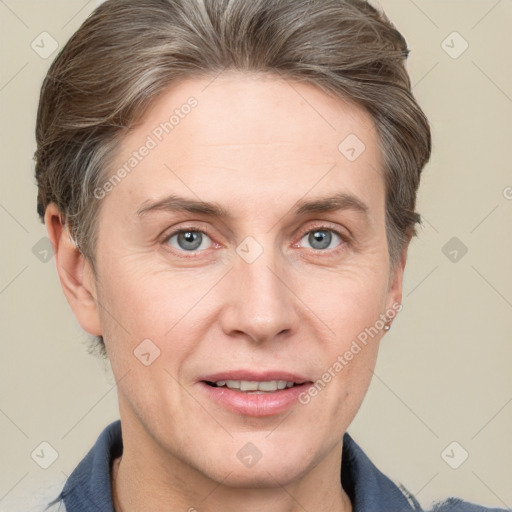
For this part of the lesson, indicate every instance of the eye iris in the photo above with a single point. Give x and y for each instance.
(321, 237)
(189, 240)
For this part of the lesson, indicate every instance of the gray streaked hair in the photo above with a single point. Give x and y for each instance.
(127, 52)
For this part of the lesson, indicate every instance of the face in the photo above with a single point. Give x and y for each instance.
(245, 245)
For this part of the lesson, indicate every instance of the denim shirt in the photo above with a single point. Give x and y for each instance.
(88, 488)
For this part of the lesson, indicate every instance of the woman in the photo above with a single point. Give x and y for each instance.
(230, 189)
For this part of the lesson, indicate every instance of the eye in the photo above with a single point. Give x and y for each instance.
(320, 239)
(189, 240)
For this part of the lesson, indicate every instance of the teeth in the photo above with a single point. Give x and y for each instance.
(247, 385)
(269, 386)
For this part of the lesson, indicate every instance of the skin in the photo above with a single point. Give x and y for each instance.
(255, 145)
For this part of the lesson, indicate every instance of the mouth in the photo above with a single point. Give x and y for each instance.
(253, 386)
(254, 394)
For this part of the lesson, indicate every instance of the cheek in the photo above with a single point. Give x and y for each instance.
(347, 301)
(347, 375)
(144, 299)
(350, 305)
(171, 309)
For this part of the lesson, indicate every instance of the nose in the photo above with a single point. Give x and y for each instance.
(260, 305)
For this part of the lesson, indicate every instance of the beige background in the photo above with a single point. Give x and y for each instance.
(444, 369)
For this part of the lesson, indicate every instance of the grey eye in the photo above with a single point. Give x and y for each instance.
(320, 238)
(188, 240)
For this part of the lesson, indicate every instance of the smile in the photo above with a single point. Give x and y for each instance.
(256, 394)
(253, 386)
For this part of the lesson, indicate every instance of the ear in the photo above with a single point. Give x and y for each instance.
(396, 279)
(75, 272)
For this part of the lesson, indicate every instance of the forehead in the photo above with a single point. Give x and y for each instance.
(259, 138)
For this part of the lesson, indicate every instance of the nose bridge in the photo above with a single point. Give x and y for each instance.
(261, 305)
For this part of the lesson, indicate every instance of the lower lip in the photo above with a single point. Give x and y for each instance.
(254, 404)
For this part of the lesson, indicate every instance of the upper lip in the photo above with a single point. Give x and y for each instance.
(253, 376)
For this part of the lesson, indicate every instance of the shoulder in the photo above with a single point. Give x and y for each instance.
(369, 489)
(458, 505)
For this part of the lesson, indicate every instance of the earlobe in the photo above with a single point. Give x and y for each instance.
(75, 272)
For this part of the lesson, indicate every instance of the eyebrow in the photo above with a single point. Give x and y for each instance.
(340, 201)
(176, 203)
(172, 203)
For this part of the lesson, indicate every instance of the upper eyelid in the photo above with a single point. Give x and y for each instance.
(320, 227)
(200, 229)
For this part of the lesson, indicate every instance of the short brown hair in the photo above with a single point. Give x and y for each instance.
(129, 51)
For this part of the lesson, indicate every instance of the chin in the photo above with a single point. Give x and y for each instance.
(247, 467)
(266, 476)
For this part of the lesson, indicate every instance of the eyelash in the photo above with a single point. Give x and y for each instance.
(320, 227)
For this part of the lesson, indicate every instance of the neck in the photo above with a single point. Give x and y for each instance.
(148, 478)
